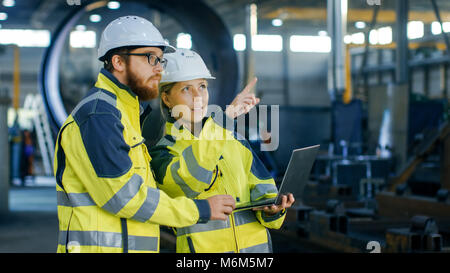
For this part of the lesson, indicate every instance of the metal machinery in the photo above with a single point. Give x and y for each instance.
(396, 198)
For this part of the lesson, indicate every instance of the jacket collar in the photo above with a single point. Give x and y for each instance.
(113, 79)
(180, 131)
(109, 82)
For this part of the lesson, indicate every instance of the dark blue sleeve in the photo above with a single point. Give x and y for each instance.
(203, 209)
(102, 135)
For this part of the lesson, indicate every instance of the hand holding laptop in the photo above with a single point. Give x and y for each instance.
(293, 183)
(286, 202)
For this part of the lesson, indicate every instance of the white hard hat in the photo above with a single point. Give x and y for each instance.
(184, 65)
(131, 31)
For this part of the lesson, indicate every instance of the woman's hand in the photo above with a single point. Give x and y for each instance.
(286, 202)
(243, 102)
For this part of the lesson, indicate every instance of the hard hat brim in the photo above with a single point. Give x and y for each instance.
(188, 78)
(167, 48)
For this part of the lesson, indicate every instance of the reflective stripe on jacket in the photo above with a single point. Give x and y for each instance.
(216, 162)
(106, 192)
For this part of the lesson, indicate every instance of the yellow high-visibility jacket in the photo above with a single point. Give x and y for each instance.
(106, 192)
(216, 161)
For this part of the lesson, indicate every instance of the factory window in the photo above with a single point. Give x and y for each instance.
(239, 42)
(415, 29)
(83, 39)
(319, 44)
(373, 37)
(25, 37)
(184, 40)
(382, 36)
(436, 27)
(385, 35)
(267, 43)
(259, 42)
(348, 39)
(358, 38)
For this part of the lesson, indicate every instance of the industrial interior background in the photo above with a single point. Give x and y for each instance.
(366, 79)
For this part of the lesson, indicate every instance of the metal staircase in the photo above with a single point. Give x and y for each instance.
(43, 133)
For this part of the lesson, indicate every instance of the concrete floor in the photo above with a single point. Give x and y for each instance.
(32, 225)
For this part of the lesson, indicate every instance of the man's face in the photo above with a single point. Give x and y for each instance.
(142, 77)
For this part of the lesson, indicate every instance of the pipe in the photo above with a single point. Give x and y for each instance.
(4, 151)
(348, 93)
(438, 16)
(251, 21)
(16, 78)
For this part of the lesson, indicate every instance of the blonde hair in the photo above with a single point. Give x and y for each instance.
(165, 88)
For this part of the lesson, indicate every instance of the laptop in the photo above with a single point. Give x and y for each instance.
(294, 179)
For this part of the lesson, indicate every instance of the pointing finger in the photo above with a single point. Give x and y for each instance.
(249, 86)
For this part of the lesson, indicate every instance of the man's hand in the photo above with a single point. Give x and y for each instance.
(286, 202)
(243, 102)
(221, 206)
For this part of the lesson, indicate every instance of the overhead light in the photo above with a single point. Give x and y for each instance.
(381, 36)
(436, 27)
(95, 18)
(184, 40)
(267, 43)
(415, 29)
(323, 33)
(317, 44)
(373, 37)
(385, 35)
(3, 16)
(83, 39)
(239, 42)
(113, 5)
(347, 39)
(25, 37)
(277, 22)
(358, 38)
(80, 27)
(360, 24)
(9, 3)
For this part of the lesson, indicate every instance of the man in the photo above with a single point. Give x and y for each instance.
(107, 196)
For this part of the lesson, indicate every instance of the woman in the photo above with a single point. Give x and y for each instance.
(199, 158)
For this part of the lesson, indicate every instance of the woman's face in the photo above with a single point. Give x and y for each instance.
(188, 100)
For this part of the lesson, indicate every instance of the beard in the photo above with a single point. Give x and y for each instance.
(140, 88)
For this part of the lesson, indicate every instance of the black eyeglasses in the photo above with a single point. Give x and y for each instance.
(152, 59)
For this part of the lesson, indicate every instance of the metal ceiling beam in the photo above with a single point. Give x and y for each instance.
(45, 8)
(438, 16)
(384, 16)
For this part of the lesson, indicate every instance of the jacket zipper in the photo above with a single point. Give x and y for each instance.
(232, 214)
(123, 223)
(67, 231)
(234, 232)
(217, 174)
(190, 244)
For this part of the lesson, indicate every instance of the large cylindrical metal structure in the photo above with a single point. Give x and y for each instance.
(209, 33)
